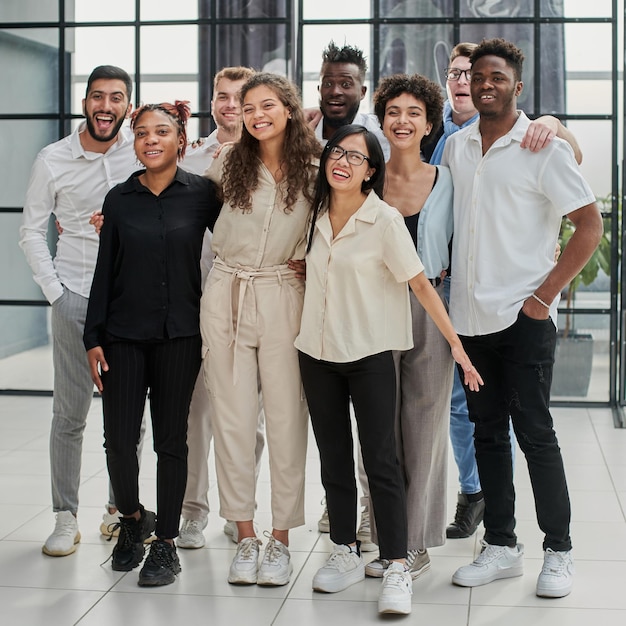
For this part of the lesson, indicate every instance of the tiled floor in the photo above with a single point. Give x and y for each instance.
(82, 588)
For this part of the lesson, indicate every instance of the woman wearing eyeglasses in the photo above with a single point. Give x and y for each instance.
(356, 311)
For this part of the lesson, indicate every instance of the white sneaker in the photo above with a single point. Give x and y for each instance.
(396, 591)
(65, 536)
(364, 533)
(323, 525)
(191, 536)
(276, 567)
(555, 580)
(343, 568)
(243, 569)
(110, 523)
(230, 529)
(493, 563)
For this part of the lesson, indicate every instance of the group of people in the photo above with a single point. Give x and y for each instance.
(326, 272)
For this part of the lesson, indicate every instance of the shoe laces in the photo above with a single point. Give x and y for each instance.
(247, 549)
(126, 537)
(192, 525)
(488, 554)
(161, 554)
(397, 579)
(412, 555)
(555, 563)
(340, 557)
(272, 550)
(461, 513)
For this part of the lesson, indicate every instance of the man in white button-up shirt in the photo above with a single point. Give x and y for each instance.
(508, 206)
(70, 179)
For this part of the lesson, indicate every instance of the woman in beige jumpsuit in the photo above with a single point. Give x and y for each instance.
(250, 316)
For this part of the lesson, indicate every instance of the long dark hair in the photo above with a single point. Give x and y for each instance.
(376, 160)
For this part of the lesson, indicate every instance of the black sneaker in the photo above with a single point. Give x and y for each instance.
(161, 566)
(469, 513)
(129, 550)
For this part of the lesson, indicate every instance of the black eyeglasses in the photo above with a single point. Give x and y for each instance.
(352, 156)
(453, 73)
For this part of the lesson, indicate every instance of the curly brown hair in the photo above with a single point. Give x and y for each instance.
(241, 165)
(420, 87)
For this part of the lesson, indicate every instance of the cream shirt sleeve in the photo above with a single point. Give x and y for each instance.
(399, 253)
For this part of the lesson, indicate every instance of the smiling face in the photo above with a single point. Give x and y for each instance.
(225, 106)
(345, 177)
(105, 108)
(494, 87)
(458, 91)
(264, 114)
(405, 122)
(157, 140)
(341, 92)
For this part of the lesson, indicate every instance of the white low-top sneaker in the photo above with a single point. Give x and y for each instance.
(343, 568)
(493, 563)
(276, 567)
(396, 591)
(556, 577)
(191, 536)
(243, 569)
(65, 536)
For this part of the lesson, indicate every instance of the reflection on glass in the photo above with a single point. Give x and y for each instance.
(20, 141)
(489, 9)
(29, 70)
(25, 348)
(250, 9)
(29, 11)
(331, 9)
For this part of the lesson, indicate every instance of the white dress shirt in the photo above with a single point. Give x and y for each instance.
(508, 206)
(71, 183)
(356, 301)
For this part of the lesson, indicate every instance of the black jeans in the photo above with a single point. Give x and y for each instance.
(516, 365)
(168, 368)
(371, 383)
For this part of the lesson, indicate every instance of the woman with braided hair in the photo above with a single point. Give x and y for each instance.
(142, 329)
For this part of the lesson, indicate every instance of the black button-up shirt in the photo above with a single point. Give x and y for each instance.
(147, 278)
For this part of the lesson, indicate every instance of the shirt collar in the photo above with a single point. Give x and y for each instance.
(124, 137)
(132, 184)
(516, 133)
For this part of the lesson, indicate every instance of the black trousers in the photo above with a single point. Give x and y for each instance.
(371, 384)
(169, 369)
(516, 365)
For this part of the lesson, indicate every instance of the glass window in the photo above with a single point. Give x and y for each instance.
(250, 9)
(332, 10)
(25, 348)
(90, 11)
(487, 9)
(21, 140)
(29, 71)
(261, 46)
(29, 11)
(179, 10)
(580, 8)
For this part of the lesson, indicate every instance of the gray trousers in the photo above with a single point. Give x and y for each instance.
(72, 394)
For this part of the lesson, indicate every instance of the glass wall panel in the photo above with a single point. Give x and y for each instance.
(594, 138)
(29, 70)
(179, 10)
(332, 10)
(29, 11)
(251, 9)
(16, 278)
(20, 141)
(487, 9)
(416, 8)
(99, 46)
(411, 48)
(25, 348)
(315, 39)
(261, 46)
(90, 11)
(581, 8)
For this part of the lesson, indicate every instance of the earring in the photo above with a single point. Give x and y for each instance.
(367, 179)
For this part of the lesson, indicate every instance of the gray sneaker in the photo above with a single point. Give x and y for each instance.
(191, 536)
(364, 534)
(417, 562)
(324, 524)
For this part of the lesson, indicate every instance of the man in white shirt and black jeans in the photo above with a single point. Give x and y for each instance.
(508, 207)
(70, 179)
